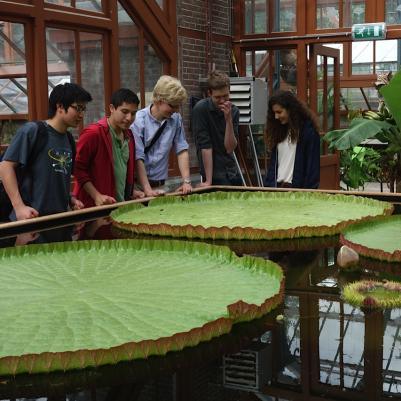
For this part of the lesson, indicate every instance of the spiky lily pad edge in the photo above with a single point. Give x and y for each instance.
(241, 233)
(363, 250)
(352, 294)
(392, 268)
(249, 246)
(239, 311)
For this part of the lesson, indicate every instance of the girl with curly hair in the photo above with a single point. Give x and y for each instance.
(293, 139)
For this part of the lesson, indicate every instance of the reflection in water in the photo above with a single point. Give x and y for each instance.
(392, 352)
(341, 329)
(323, 348)
(288, 344)
(59, 234)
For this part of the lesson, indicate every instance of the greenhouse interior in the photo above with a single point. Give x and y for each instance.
(219, 219)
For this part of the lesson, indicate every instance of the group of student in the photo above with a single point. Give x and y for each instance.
(125, 155)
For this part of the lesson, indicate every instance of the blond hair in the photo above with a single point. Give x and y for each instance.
(170, 90)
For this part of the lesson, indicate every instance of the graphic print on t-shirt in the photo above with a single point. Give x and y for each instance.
(61, 160)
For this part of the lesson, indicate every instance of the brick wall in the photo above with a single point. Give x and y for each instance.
(191, 14)
(192, 47)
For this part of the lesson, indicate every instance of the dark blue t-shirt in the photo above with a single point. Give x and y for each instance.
(46, 186)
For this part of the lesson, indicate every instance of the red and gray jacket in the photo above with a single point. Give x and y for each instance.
(94, 162)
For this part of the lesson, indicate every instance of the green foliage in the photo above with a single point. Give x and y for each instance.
(391, 95)
(359, 130)
(384, 164)
(359, 165)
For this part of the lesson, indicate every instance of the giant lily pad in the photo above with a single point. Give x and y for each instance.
(248, 215)
(34, 386)
(74, 305)
(371, 294)
(378, 239)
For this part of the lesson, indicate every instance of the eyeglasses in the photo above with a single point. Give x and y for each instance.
(79, 108)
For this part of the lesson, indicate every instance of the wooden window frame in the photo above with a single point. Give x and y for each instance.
(157, 25)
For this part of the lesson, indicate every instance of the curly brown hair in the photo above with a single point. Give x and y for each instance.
(298, 113)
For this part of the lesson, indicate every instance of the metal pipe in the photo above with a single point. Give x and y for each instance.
(239, 169)
(255, 158)
(309, 36)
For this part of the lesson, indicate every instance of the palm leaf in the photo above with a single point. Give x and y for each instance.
(359, 130)
(391, 95)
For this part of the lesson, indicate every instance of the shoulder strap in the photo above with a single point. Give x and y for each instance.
(73, 149)
(156, 136)
(40, 142)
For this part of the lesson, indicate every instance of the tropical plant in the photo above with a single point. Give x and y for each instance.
(359, 165)
(384, 164)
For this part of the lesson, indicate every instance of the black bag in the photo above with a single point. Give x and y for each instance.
(6, 206)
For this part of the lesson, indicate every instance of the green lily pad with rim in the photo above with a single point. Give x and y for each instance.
(84, 304)
(377, 239)
(248, 215)
(370, 294)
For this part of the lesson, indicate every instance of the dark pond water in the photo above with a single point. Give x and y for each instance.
(322, 348)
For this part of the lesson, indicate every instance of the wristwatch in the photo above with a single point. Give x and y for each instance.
(187, 181)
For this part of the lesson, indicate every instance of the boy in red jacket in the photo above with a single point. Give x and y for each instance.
(105, 160)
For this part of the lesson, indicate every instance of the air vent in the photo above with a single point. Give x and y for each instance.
(250, 96)
(248, 369)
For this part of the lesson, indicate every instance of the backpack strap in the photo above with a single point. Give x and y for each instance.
(73, 149)
(39, 144)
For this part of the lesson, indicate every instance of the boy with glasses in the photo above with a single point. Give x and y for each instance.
(215, 123)
(157, 129)
(37, 166)
(104, 166)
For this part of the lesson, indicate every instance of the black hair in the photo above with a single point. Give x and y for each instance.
(124, 95)
(66, 94)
